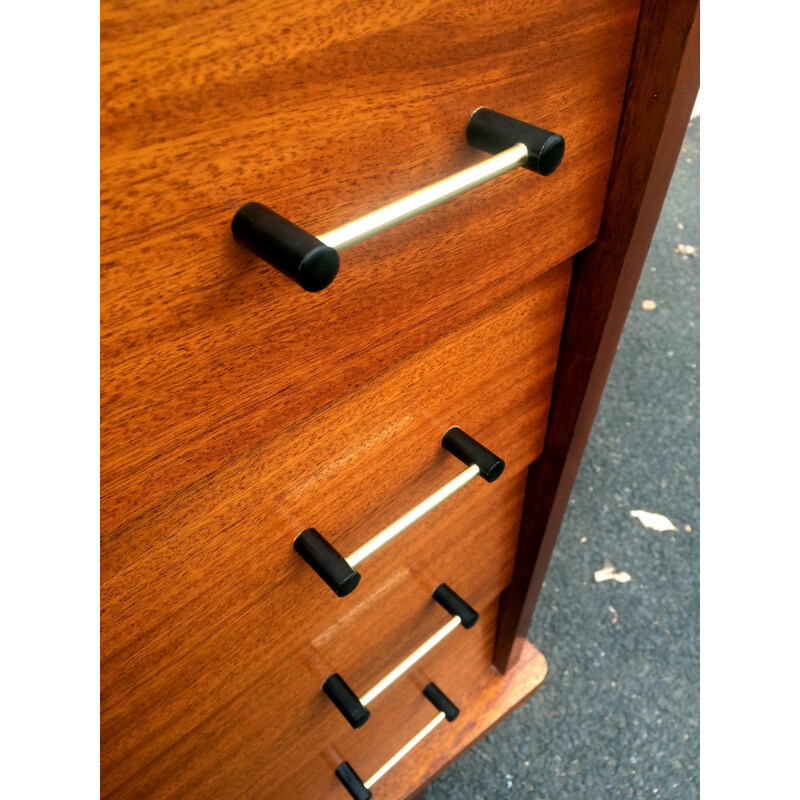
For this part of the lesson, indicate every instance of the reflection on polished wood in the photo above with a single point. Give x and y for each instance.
(206, 352)
(238, 411)
(204, 596)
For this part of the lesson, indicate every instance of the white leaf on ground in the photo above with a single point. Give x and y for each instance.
(656, 522)
(686, 249)
(648, 305)
(611, 574)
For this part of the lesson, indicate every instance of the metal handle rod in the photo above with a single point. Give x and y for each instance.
(339, 573)
(408, 519)
(313, 261)
(409, 662)
(423, 199)
(354, 708)
(370, 782)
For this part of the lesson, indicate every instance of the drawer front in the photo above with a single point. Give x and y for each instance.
(398, 715)
(322, 111)
(250, 685)
(238, 410)
(292, 752)
(204, 598)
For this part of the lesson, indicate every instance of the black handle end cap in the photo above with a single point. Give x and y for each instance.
(550, 155)
(346, 700)
(326, 561)
(493, 132)
(350, 780)
(441, 701)
(318, 268)
(468, 450)
(286, 246)
(455, 605)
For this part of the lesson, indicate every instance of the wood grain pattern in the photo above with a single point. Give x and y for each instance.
(203, 595)
(238, 410)
(209, 764)
(259, 674)
(322, 112)
(486, 703)
(662, 89)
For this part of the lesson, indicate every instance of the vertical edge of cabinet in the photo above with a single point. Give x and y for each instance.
(662, 86)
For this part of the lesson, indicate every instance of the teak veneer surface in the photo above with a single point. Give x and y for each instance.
(204, 598)
(209, 765)
(238, 410)
(323, 112)
(261, 671)
(486, 703)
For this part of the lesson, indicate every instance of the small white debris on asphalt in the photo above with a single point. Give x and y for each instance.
(656, 522)
(611, 574)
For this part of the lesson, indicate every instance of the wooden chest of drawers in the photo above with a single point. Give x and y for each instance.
(239, 410)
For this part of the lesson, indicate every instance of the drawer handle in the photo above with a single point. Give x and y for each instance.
(359, 789)
(354, 708)
(313, 261)
(339, 572)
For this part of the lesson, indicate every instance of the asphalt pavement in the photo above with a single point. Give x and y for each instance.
(618, 714)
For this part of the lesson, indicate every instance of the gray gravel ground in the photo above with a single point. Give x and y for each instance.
(618, 715)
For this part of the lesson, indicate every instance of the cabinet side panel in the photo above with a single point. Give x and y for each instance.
(662, 87)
